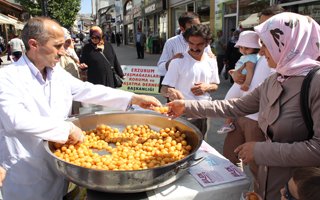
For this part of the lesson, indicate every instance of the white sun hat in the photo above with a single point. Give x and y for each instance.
(248, 39)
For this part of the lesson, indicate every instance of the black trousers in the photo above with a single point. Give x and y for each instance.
(220, 59)
(140, 50)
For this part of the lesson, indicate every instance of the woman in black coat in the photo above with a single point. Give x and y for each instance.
(100, 57)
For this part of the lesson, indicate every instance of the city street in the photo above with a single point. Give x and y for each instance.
(127, 56)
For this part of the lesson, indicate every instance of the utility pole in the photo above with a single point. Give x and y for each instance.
(44, 5)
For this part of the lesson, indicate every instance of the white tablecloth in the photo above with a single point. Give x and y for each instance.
(187, 187)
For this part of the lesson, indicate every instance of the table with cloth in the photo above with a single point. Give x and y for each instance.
(185, 188)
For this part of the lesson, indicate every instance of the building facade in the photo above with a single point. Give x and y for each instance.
(158, 19)
(177, 7)
(228, 14)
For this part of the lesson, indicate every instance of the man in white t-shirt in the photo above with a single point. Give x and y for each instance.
(175, 46)
(194, 75)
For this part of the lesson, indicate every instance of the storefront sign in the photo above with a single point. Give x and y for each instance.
(150, 8)
(141, 79)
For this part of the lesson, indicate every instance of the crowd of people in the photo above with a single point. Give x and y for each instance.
(289, 43)
(263, 99)
(264, 125)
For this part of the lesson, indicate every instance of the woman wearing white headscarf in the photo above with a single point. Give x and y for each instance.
(290, 43)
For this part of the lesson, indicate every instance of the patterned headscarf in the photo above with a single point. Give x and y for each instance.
(95, 31)
(293, 41)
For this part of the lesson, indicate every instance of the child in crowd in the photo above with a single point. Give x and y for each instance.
(303, 185)
(248, 45)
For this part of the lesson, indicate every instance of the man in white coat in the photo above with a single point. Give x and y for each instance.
(35, 100)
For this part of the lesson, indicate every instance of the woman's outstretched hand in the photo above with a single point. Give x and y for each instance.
(176, 108)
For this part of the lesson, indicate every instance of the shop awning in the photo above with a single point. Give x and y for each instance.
(9, 20)
(4, 20)
(19, 25)
(251, 21)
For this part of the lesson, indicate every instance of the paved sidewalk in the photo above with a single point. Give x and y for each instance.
(127, 55)
(4, 59)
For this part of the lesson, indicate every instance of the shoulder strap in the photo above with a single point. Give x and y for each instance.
(304, 101)
(111, 66)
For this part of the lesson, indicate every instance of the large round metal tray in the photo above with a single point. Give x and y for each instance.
(133, 180)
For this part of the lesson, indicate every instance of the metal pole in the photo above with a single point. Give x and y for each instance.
(44, 5)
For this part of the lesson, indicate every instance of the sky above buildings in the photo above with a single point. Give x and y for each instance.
(85, 7)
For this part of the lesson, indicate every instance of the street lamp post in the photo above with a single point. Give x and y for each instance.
(44, 5)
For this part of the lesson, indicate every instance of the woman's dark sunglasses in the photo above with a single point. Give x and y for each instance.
(94, 37)
(287, 194)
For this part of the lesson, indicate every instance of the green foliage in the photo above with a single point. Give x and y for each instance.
(33, 8)
(64, 11)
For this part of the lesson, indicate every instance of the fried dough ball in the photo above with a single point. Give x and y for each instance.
(136, 147)
(162, 110)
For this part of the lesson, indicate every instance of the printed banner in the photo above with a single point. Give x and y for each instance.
(141, 79)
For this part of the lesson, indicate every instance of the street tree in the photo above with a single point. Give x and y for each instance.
(64, 11)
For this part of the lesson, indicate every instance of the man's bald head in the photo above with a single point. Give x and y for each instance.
(40, 29)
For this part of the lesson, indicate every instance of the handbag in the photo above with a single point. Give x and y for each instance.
(116, 78)
(304, 101)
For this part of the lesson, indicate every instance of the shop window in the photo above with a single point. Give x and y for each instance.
(163, 25)
(190, 7)
(248, 7)
(203, 10)
(163, 29)
(130, 34)
(230, 7)
(177, 13)
(150, 25)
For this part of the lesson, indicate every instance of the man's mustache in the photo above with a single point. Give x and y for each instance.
(195, 50)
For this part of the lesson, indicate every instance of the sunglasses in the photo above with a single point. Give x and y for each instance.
(287, 194)
(95, 38)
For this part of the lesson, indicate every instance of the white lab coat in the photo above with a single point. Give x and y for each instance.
(27, 118)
